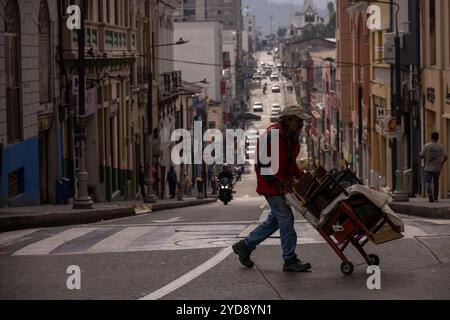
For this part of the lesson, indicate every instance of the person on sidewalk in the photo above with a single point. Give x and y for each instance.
(142, 181)
(274, 188)
(172, 181)
(435, 157)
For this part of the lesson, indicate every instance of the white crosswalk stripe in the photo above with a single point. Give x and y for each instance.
(47, 245)
(176, 236)
(120, 241)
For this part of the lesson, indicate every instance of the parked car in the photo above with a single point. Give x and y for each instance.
(276, 88)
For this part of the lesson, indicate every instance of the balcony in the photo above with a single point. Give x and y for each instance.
(108, 40)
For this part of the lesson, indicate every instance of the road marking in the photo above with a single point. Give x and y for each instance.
(176, 219)
(120, 241)
(264, 215)
(47, 245)
(14, 235)
(188, 277)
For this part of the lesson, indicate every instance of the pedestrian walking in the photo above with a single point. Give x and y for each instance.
(172, 181)
(274, 188)
(142, 181)
(435, 157)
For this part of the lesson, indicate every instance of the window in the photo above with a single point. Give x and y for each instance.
(12, 63)
(116, 12)
(44, 53)
(432, 32)
(108, 39)
(16, 184)
(100, 11)
(108, 11)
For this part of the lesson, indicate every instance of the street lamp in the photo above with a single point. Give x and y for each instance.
(82, 199)
(150, 196)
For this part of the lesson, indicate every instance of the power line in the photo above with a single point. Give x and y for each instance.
(334, 64)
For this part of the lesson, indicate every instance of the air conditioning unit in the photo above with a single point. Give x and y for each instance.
(389, 46)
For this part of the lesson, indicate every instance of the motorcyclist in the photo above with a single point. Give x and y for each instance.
(225, 173)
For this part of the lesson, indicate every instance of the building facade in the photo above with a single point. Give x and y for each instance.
(435, 49)
(30, 122)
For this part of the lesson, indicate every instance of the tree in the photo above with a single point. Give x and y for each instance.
(330, 7)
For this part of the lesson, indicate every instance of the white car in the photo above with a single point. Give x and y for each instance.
(258, 107)
(275, 77)
(276, 107)
(276, 88)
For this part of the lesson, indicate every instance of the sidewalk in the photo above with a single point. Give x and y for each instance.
(59, 215)
(421, 207)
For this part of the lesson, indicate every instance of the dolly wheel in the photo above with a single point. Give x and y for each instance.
(374, 260)
(347, 268)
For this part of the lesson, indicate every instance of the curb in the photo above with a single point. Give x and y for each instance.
(421, 211)
(87, 216)
(62, 218)
(181, 204)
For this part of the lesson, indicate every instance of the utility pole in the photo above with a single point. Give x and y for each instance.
(399, 194)
(82, 199)
(150, 197)
(360, 131)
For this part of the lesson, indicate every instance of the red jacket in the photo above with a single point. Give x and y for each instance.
(289, 148)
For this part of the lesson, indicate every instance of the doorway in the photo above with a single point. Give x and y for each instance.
(44, 159)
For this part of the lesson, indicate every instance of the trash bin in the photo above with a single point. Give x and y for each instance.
(63, 191)
(66, 190)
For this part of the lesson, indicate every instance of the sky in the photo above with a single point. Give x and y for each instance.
(319, 3)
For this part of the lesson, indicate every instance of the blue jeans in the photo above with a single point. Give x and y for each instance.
(435, 177)
(281, 217)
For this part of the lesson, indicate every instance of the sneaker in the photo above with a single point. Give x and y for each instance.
(295, 265)
(240, 248)
(431, 199)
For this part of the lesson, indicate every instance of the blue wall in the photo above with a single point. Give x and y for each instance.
(21, 155)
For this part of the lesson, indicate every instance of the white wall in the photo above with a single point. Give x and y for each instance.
(205, 49)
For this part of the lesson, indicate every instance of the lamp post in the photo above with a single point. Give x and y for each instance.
(82, 199)
(150, 196)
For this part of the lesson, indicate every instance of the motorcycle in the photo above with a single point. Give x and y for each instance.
(225, 190)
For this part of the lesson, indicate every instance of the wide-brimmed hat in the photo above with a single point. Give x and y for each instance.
(295, 110)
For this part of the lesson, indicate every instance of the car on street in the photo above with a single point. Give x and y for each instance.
(251, 116)
(274, 77)
(276, 88)
(276, 107)
(275, 116)
(258, 107)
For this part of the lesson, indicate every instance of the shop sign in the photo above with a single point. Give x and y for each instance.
(392, 127)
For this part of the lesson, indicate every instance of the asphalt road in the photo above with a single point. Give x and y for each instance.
(185, 254)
